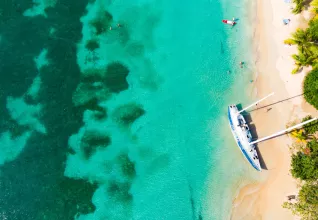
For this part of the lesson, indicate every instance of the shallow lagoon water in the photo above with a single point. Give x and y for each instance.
(127, 123)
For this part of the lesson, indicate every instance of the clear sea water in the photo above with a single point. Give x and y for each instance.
(121, 123)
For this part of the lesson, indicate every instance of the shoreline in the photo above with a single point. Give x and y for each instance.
(274, 64)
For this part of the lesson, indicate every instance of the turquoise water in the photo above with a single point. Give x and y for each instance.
(122, 123)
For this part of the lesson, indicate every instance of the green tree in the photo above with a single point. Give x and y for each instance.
(312, 127)
(299, 6)
(305, 166)
(313, 29)
(301, 60)
(307, 202)
(310, 88)
(301, 38)
(307, 48)
(314, 5)
(313, 146)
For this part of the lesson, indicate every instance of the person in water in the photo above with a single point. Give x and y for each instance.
(241, 64)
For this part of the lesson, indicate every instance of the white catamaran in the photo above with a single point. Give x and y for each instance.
(243, 137)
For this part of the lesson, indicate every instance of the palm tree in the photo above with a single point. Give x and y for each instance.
(302, 60)
(313, 29)
(314, 53)
(299, 6)
(301, 38)
(314, 5)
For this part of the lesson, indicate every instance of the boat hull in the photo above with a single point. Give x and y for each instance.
(229, 22)
(254, 162)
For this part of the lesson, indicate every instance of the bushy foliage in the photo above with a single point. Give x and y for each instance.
(305, 166)
(307, 202)
(299, 134)
(310, 88)
(311, 127)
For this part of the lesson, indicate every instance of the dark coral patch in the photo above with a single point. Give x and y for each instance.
(15, 129)
(92, 45)
(115, 77)
(120, 191)
(92, 140)
(127, 166)
(100, 113)
(88, 96)
(74, 197)
(102, 22)
(92, 75)
(127, 114)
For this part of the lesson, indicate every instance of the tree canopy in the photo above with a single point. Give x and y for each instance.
(307, 43)
(299, 6)
(310, 88)
(305, 166)
(307, 202)
(311, 127)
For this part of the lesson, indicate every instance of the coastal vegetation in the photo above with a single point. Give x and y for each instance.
(305, 163)
(311, 88)
(304, 167)
(312, 127)
(305, 133)
(307, 202)
(299, 6)
(307, 44)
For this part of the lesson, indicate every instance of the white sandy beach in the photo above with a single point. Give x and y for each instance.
(274, 66)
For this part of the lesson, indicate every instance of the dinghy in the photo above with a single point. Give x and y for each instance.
(229, 22)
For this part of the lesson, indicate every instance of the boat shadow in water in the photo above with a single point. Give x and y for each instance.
(253, 131)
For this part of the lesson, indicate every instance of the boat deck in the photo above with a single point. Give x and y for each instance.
(243, 137)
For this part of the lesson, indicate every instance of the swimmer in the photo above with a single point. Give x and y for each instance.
(110, 28)
(228, 72)
(118, 25)
(233, 19)
(241, 64)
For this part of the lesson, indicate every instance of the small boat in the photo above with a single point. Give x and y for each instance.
(229, 22)
(243, 136)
